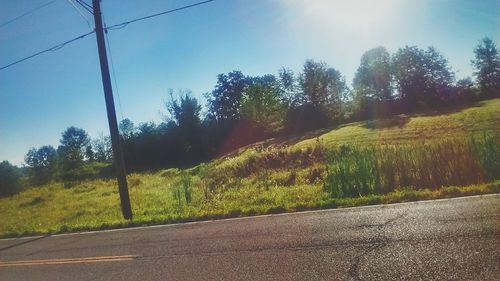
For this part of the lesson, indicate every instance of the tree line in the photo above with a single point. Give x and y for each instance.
(243, 109)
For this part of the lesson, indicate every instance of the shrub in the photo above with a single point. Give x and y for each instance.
(264, 178)
(134, 180)
(315, 175)
(286, 178)
(10, 179)
(277, 159)
(92, 170)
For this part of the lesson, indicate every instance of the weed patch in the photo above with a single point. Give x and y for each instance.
(363, 170)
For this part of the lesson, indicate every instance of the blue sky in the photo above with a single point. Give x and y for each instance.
(41, 97)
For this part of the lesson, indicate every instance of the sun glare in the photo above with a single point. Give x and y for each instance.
(354, 15)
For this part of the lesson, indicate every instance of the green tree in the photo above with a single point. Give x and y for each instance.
(42, 163)
(373, 76)
(185, 112)
(464, 89)
(323, 88)
(72, 149)
(487, 67)
(103, 151)
(225, 100)
(262, 102)
(89, 152)
(421, 76)
(10, 179)
(127, 128)
(147, 129)
(288, 86)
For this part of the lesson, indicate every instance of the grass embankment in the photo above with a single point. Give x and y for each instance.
(404, 158)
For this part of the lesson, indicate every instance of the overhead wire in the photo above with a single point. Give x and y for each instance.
(79, 12)
(123, 24)
(108, 45)
(28, 13)
(85, 6)
(112, 27)
(51, 49)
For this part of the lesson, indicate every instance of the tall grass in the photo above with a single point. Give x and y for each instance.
(183, 190)
(362, 170)
(488, 150)
(387, 165)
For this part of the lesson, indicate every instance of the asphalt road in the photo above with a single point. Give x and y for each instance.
(457, 239)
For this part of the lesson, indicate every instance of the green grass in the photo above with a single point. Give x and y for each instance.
(404, 158)
(83, 208)
(354, 170)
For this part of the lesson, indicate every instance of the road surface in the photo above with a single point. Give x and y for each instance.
(455, 239)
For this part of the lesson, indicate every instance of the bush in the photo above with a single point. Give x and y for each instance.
(306, 118)
(10, 179)
(93, 170)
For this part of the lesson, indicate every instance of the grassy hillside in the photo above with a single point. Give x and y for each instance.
(406, 157)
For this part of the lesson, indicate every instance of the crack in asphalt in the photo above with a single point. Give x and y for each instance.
(353, 270)
(379, 242)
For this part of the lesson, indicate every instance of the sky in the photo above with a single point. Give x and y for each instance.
(41, 97)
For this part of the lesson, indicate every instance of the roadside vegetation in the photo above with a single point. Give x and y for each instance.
(407, 129)
(324, 169)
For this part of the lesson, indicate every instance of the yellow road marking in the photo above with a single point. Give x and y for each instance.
(68, 260)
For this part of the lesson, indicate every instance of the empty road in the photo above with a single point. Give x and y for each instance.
(456, 239)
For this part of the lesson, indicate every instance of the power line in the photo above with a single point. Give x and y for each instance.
(123, 24)
(113, 71)
(79, 12)
(51, 49)
(112, 27)
(27, 13)
(85, 6)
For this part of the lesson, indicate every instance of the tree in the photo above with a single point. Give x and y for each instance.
(127, 129)
(10, 179)
(103, 151)
(89, 152)
(185, 112)
(439, 75)
(323, 89)
(42, 163)
(464, 90)
(145, 149)
(147, 129)
(262, 102)
(322, 86)
(373, 77)
(72, 149)
(288, 87)
(225, 100)
(421, 76)
(487, 66)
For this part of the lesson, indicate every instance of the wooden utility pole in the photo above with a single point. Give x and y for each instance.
(110, 108)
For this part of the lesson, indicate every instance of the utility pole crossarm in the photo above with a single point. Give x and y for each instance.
(110, 108)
